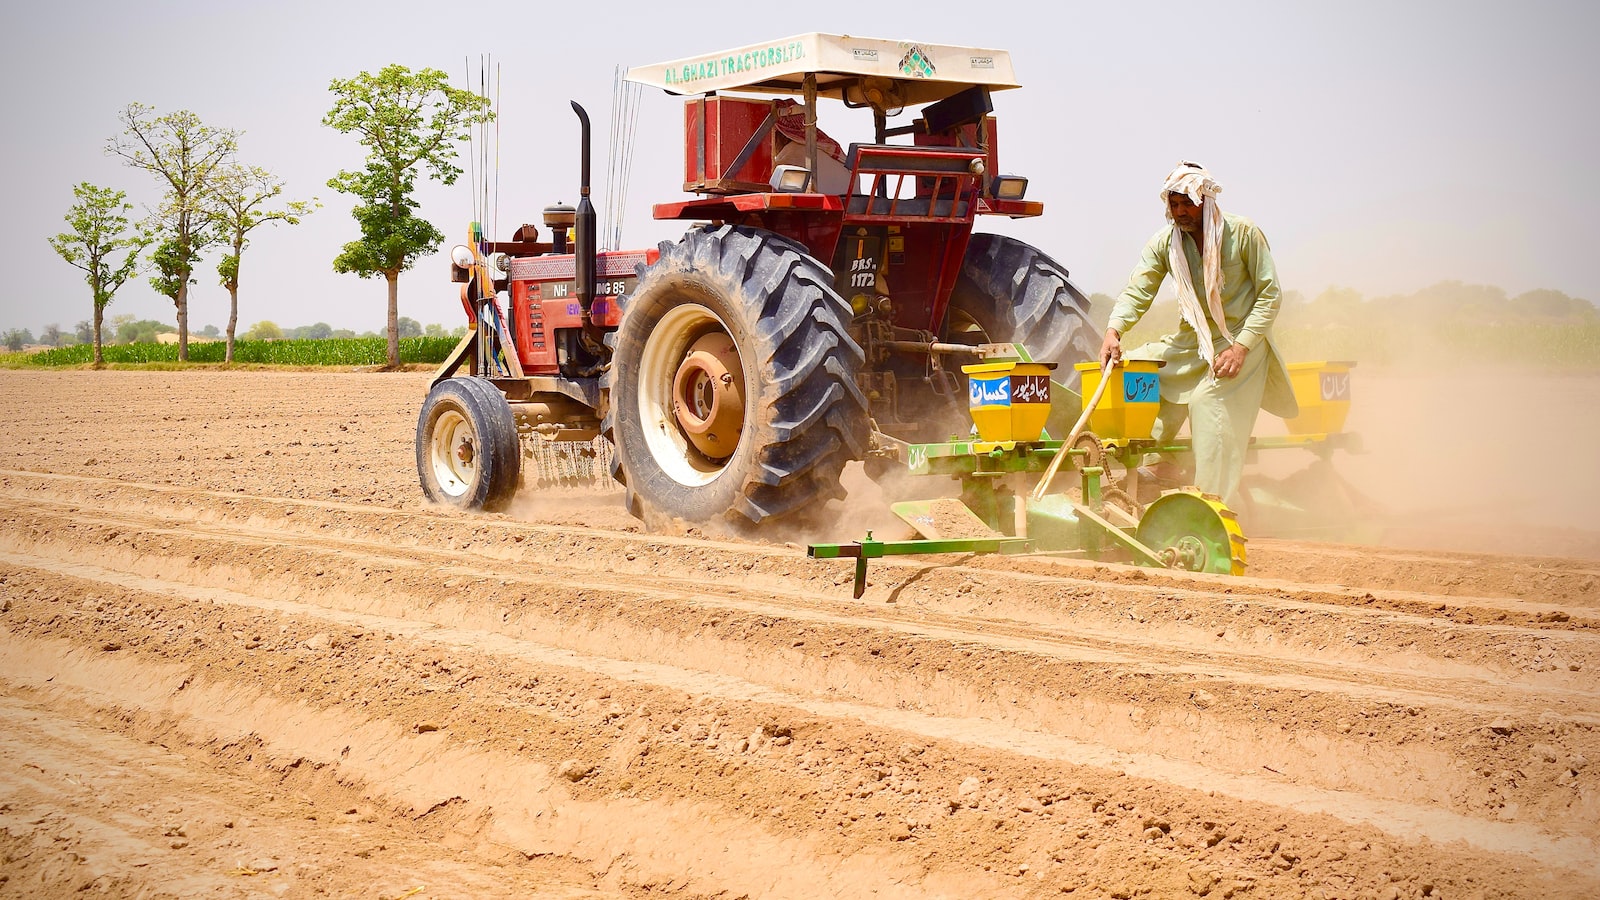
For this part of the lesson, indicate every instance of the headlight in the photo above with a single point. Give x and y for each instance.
(1010, 187)
(789, 179)
(461, 255)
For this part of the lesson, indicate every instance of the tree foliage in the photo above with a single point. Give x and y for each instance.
(410, 123)
(172, 269)
(185, 155)
(1443, 304)
(241, 200)
(264, 331)
(129, 330)
(102, 243)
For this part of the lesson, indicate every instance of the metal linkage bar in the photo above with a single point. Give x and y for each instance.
(866, 549)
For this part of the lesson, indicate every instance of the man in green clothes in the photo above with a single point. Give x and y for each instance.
(1228, 291)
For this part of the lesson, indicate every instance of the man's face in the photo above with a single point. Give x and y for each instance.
(1184, 213)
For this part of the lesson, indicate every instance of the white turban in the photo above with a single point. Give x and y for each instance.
(1194, 182)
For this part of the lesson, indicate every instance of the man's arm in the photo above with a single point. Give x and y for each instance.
(1146, 279)
(1136, 298)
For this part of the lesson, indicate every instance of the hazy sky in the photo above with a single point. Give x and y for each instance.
(1382, 146)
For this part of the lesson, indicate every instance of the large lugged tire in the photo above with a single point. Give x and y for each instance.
(1009, 291)
(732, 381)
(468, 454)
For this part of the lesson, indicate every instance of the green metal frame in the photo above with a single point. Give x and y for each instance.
(1055, 524)
(866, 549)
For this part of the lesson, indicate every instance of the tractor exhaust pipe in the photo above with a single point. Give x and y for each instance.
(583, 228)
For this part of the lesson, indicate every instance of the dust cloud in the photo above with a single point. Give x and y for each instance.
(1454, 458)
(1479, 460)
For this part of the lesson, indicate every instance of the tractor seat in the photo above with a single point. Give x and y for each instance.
(941, 175)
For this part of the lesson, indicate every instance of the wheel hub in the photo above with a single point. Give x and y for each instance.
(1188, 553)
(451, 453)
(1194, 531)
(708, 395)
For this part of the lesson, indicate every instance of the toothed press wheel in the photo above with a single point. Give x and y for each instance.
(1194, 531)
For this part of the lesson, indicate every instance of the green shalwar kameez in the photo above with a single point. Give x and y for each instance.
(1222, 411)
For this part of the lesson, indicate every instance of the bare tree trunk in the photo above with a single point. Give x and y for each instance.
(183, 318)
(233, 292)
(233, 317)
(99, 315)
(394, 317)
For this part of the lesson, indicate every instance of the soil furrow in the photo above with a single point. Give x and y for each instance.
(222, 599)
(1549, 586)
(1557, 666)
(187, 659)
(1395, 743)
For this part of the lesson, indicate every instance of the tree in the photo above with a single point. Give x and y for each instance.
(239, 204)
(408, 327)
(129, 330)
(264, 330)
(408, 121)
(1544, 303)
(17, 338)
(51, 335)
(186, 154)
(100, 233)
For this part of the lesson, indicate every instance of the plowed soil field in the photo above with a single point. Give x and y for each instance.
(240, 657)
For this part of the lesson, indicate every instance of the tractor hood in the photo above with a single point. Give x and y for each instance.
(845, 67)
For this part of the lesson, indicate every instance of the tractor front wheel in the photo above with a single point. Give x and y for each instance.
(468, 453)
(732, 381)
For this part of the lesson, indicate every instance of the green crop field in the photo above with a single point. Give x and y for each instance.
(327, 352)
(1558, 347)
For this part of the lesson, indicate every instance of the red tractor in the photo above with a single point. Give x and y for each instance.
(817, 312)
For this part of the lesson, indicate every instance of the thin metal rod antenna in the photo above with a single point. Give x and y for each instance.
(611, 161)
(635, 94)
(610, 173)
(472, 150)
(630, 112)
(484, 149)
(497, 151)
(623, 113)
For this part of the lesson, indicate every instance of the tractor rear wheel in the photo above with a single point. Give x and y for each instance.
(1008, 292)
(1011, 292)
(732, 381)
(468, 453)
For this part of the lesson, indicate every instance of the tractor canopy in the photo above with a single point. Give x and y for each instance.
(857, 70)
